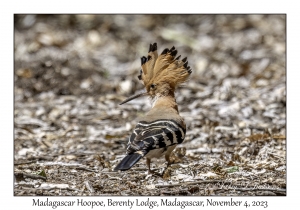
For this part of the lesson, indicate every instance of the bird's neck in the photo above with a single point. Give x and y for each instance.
(168, 102)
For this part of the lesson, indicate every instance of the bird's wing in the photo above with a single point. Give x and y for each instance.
(154, 135)
(148, 136)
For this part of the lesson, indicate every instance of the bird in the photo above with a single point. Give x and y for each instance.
(159, 131)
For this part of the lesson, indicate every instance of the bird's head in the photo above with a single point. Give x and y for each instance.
(162, 74)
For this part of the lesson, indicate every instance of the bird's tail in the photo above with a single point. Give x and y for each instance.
(128, 161)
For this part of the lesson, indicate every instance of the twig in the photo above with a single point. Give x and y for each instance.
(24, 162)
(111, 191)
(105, 195)
(191, 183)
(48, 157)
(34, 159)
(109, 172)
(275, 155)
(32, 176)
(140, 169)
(247, 189)
(89, 186)
(84, 168)
(51, 188)
(180, 192)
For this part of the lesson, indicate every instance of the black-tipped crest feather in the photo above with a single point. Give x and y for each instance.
(173, 53)
(143, 60)
(154, 47)
(186, 64)
(150, 47)
(165, 51)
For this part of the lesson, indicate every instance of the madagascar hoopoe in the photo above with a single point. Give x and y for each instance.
(162, 128)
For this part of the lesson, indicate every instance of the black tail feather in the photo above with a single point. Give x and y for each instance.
(128, 162)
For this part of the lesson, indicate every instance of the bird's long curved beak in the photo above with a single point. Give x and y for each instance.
(133, 97)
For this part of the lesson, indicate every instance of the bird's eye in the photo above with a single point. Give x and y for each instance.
(152, 86)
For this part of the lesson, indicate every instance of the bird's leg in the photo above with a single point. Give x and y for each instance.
(148, 161)
(167, 157)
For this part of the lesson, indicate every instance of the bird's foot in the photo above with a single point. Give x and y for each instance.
(150, 171)
(154, 173)
(170, 163)
(166, 173)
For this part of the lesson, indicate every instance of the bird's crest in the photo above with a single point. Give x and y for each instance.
(164, 67)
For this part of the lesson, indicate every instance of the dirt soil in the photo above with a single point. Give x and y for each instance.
(72, 71)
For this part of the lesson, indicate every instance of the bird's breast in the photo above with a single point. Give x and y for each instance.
(157, 153)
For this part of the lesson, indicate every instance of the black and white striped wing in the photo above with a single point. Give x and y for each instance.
(154, 135)
(149, 136)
